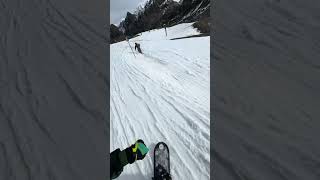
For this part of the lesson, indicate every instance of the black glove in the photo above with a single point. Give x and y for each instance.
(136, 151)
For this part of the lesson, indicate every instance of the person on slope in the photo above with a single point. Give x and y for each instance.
(119, 159)
(137, 46)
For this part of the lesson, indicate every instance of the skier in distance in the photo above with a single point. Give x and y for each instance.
(137, 46)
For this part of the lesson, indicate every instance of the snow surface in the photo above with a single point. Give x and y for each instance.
(163, 95)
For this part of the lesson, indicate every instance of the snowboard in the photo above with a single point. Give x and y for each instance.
(161, 164)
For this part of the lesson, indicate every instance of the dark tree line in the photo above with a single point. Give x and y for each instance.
(161, 13)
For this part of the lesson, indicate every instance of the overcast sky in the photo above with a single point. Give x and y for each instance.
(119, 9)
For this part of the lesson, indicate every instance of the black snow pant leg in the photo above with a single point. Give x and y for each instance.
(116, 167)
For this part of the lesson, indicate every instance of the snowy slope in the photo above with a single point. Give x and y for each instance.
(163, 95)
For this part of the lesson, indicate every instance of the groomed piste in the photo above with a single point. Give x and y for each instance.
(163, 95)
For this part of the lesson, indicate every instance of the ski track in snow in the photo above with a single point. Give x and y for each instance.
(163, 95)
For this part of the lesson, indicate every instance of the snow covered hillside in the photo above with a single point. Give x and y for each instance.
(163, 95)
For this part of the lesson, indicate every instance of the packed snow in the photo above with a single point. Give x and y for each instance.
(163, 95)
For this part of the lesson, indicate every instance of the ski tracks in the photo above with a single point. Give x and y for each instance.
(162, 96)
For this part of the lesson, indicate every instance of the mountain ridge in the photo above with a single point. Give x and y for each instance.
(160, 13)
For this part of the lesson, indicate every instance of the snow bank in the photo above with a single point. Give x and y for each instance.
(178, 31)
